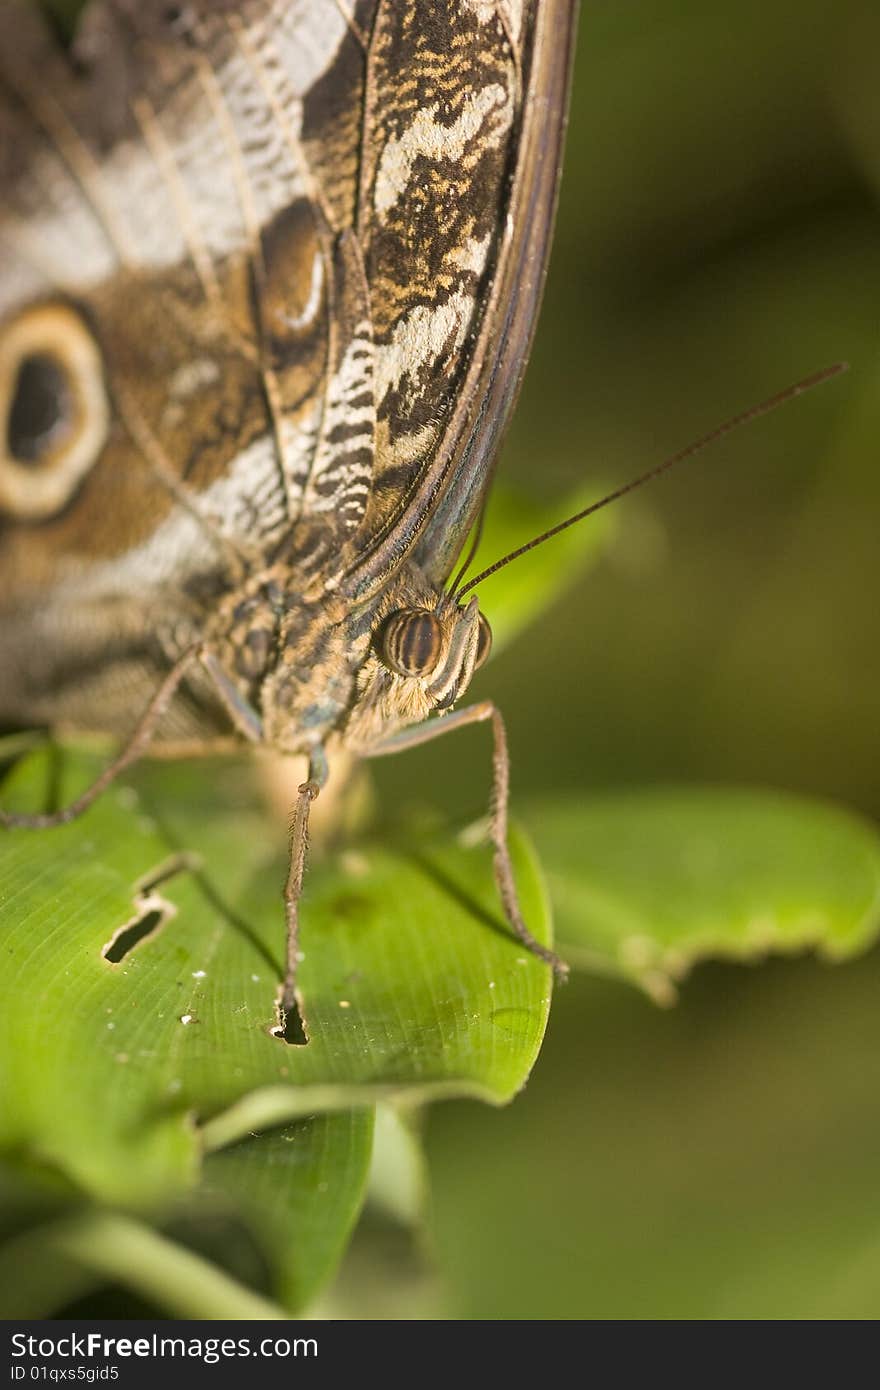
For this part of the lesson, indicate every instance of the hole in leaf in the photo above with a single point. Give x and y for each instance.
(133, 933)
(290, 1027)
(152, 910)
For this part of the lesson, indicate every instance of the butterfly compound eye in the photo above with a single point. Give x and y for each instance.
(53, 410)
(411, 642)
(484, 643)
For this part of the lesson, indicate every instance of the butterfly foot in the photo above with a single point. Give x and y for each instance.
(290, 1018)
(559, 967)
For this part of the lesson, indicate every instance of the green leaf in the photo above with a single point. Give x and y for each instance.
(299, 1188)
(398, 1184)
(521, 591)
(63, 1259)
(645, 884)
(118, 1075)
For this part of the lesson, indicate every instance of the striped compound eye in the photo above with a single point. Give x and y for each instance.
(484, 643)
(54, 414)
(411, 642)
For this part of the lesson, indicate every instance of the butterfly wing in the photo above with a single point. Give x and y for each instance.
(458, 186)
(183, 183)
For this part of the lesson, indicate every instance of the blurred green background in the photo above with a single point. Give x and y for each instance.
(718, 238)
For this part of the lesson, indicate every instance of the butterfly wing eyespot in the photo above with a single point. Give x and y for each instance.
(411, 642)
(54, 414)
(484, 642)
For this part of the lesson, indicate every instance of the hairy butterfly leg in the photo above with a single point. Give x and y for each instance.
(139, 741)
(133, 749)
(504, 877)
(290, 1004)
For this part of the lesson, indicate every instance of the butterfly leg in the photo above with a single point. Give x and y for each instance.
(299, 843)
(138, 742)
(479, 714)
(133, 749)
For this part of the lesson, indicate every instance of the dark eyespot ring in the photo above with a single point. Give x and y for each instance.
(484, 642)
(411, 642)
(41, 414)
(54, 414)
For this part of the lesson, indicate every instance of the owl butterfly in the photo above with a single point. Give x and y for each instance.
(270, 271)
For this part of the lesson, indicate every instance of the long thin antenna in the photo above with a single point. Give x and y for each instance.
(745, 417)
(472, 548)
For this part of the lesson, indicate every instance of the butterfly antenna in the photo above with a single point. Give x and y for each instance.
(472, 549)
(743, 418)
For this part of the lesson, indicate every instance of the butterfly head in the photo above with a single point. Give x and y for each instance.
(439, 648)
(363, 673)
(423, 651)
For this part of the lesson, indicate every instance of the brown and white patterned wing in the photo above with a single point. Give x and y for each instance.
(465, 115)
(185, 187)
